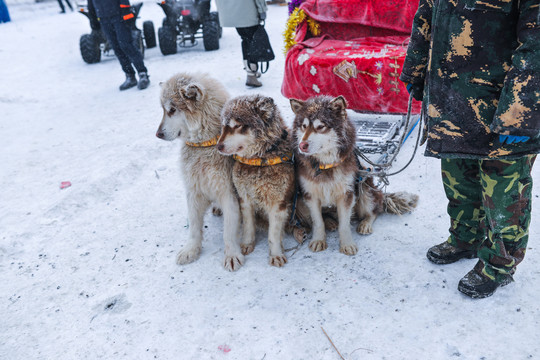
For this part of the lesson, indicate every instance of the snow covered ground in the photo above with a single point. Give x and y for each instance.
(88, 272)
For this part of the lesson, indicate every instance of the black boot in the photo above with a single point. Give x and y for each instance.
(446, 254)
(478, 286)
(130, 82)
(144, 81)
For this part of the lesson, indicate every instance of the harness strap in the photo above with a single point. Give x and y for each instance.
(285, 158)
(208, 143)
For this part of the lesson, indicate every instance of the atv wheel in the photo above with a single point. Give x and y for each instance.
(167, 40)
(149, 34)
(90, 51)
(210, 35)
(214, 16)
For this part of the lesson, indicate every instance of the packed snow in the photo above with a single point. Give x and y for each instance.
(93, 213)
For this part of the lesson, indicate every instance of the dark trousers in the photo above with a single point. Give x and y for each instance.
(246, 34)
(119, 36)
(62, 5)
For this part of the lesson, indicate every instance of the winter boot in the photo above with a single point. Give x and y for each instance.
(130, 82)
(445, 253)
(252, 74)
(144, 81)
(478, 286)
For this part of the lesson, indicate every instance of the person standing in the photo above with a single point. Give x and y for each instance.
(4, 13)
(476, 67)
(62, 8)
(245, 16)
(113, 15)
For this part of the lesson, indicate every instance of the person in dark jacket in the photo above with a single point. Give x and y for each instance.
(112, 15)
(475, 64)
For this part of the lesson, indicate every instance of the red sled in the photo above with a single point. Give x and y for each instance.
(357, 51)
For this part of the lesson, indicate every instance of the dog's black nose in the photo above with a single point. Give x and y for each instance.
(220, 147)
(160, 135)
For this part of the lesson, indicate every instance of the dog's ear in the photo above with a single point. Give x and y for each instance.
(265, 107)
(339, 105)
(193, 92)
(296, 105)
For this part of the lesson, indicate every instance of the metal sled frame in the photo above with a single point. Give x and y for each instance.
(378, 135)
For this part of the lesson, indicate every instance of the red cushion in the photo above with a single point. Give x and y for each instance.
(365, 71)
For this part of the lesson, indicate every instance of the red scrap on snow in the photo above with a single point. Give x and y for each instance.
(65, 184)
(224, 348)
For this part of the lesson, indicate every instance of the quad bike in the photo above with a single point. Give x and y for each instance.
(184, 22)
(95, 44)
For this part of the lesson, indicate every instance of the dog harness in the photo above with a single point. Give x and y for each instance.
(208, 143)
(286, 158)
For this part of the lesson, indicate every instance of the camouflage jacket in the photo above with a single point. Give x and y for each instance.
(479, 62)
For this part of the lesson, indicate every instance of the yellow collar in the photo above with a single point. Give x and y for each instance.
(329, 166)
(204, 143)
(264, 162)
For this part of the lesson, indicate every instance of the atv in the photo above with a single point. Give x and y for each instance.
(95, 44)
(184, 22)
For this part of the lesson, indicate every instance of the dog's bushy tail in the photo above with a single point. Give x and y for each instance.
(400, 202)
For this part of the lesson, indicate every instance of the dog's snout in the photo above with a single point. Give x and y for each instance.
(304, 146)
(220, 147)
(160, 134)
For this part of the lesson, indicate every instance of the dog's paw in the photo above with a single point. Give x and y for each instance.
(233, 262)
(247, 248)
(330, 224)
(186, 256)
(299, 234)
(348, 249)
(364, 228)
(216, 211)
(317, 245)
(278, 260)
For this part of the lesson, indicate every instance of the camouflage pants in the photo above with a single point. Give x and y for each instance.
(489, 203)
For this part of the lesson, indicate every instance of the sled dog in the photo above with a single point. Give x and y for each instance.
(324, 140)
(192, 105)
(254, 133)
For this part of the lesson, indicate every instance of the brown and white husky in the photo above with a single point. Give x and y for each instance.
(325, 139)
(192, 105)
(253, 132)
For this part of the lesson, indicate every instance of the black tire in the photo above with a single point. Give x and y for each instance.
(167, 40)
(210, 35)
(90, 51)
(149, 34)
(214, 16)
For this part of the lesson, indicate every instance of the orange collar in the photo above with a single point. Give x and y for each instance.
(329, 166)
(286, 158)
(204, 143)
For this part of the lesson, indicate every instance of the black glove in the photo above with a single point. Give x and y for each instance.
(417, 91)
(262, 16)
